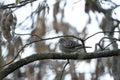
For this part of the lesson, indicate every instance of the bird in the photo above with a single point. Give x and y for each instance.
(69, 46)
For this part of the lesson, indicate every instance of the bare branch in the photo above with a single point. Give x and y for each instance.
(41, 56)
(98, 33)
(64, 69)
(13, 5)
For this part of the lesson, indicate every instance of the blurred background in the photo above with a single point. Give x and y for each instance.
(24, 21)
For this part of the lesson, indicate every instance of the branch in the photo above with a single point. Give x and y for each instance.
(98, 33)
(41, 56)
(13, 5)
(64, 69)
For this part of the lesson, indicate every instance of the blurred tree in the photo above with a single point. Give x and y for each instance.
(42, 25)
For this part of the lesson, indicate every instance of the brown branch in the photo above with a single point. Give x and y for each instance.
(41, 56)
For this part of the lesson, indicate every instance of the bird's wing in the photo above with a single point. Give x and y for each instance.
(72, 44)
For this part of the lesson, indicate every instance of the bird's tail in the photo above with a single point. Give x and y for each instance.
(86, 47)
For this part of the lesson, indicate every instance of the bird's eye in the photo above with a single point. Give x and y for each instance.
(61, 40)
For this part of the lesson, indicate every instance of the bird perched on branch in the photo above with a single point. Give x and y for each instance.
(69, 46)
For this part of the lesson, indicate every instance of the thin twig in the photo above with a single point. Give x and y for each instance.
(64, 69)
(98, 33)
(109, 38)
(109, 45)
(19, 53)
(13, 5)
